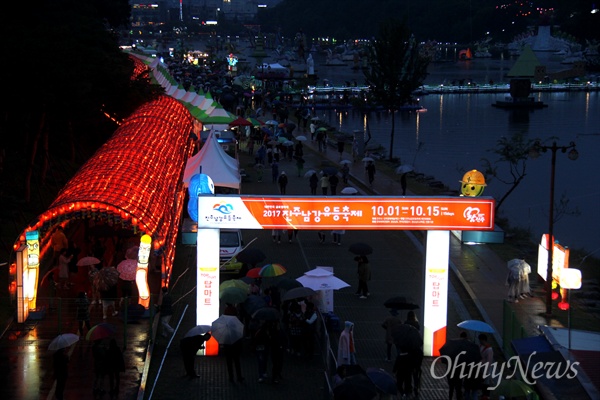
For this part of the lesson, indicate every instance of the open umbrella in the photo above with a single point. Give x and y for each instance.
(106, 278)
(328, 282)
(454, 347)
(87, 261)
(321, 129)
(198, 330)
(254, 273)
(366, 159)
(309, 173)
(402, 169)
(272, 122)
(239, 121)
(349, 190)
(233, 295)
(400, 303)
(301, 138)
(253, 303)
(288, 284)
(271, 270)
(329, 171)
(360, 249)
(267, 314)
(345, 162)
(383, 380)
(62, 341)
(355, 387)
(132, 252)
(512, 389)
(476, 326)
(127, 269)
(251, 255)
(101, 331)
(298, 293)
(234, 283)
(227, 329)
(288, 143)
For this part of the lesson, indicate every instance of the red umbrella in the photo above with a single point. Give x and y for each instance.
(127, 269)
(239, 121)
(254, 273)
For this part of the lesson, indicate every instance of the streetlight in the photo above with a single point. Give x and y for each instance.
(534, 153)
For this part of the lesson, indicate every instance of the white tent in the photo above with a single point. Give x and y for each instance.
(222, 168)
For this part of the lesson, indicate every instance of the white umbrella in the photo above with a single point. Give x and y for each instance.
(367, 159)
(301, 138)
(402, 169)
(349, 190)
(271, 122)
(62, 341)
(227, 329)
(288, 143)
(309, 173)
(327, 282)
(345, 162)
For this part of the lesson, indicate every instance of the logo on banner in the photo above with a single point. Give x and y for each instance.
(223, 208)
(473, 214)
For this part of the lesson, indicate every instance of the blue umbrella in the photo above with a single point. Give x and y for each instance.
(475, 325)
(383, 380)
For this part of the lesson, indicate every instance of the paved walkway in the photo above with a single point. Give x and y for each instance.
(398, 256)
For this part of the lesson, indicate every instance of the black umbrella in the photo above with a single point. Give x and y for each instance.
(267, 314)
(454, 347)
(400, 303)
(254, 303)
(355, 387)
(360, 249)
(330, 171)
(299, 292)
(251, 256)
(287, 284)
(407, 338)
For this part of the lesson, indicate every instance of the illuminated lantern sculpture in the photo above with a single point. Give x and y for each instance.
(473, 183)
(33, 266)
(141, 275)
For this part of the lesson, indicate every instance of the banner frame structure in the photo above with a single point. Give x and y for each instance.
(436, 215)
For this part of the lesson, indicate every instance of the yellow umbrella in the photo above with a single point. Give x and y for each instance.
(236, 283)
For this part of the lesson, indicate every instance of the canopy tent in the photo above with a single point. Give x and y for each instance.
(218, 165)
(133, 181)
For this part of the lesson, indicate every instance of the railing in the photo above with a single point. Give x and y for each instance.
(511, 329)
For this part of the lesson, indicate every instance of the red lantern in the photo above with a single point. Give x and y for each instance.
(554, 296)
(563, 305)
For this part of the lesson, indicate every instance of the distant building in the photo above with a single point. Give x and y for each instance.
(156, 12)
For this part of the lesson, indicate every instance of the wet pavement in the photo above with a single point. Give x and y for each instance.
(396, 262)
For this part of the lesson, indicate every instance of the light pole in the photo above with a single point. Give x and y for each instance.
(534, 152)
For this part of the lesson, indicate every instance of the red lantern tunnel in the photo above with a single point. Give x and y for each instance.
(135, 180)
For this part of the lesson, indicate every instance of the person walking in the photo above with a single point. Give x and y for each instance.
(60, 361)
(63, 268)
(364, 276)
(403, 183)
(166, 312)
(337, 236)
(333, 183)
(324, 184)
(108, 297)
(83, 312)
(411, 319)
(262, 340)
(487, 360)
(99, 350)
(389, 324)
(512, 281)
(523, 289)
(274, 171)
(370, 169)
(283, 181)
(322, 236)
(300, 165)
(313, 182)
(58, 241)
(346, 347)
(277, 350)
(115, 364)
(345, 173)
(340, 148)
(233, 351)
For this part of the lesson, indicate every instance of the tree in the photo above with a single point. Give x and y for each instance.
(512, 153)
(396, 69)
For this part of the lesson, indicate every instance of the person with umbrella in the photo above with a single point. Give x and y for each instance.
(300, 165)
(370, 170)
(108, 294)
(313, 182)
(60, 361)
(83, 312)
(115, 364)
(189, 346)
(389, 325)
(233, 351)
(364, 276)
(345, 173)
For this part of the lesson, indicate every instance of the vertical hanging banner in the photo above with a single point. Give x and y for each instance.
(33, 267)
(208, 275)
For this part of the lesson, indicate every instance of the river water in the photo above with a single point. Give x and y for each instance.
(458, 130)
